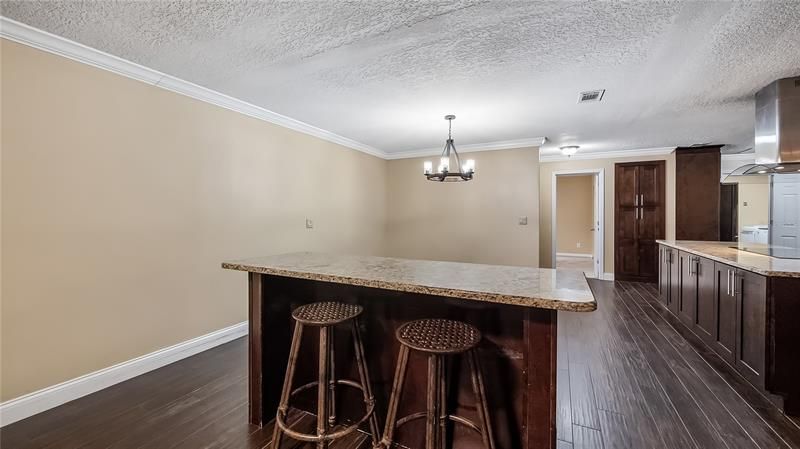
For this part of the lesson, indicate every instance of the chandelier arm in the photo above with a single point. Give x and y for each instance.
(458, 158)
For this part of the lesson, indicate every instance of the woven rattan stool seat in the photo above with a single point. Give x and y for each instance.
(439, 336)
(326, 313)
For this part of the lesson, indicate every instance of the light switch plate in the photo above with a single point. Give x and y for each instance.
(309, 223)
(523, 221)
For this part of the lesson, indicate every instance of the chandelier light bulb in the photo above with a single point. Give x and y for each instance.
(427, 167)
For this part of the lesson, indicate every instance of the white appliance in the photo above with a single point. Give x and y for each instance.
(754, 234)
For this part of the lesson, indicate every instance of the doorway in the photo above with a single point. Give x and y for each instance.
(577, 221)
(785, 211)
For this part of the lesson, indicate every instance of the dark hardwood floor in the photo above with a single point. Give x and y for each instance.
(629, 377)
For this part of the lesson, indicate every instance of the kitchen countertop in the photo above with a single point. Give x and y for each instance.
(521, 286)
(722, 252)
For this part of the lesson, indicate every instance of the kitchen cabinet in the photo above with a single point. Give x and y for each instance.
(695, 303)
(750, 290)
(639, 208)
(724, 335)
(687, 303)
(697, 193)
(669, 278)
(746, 318)
(705, 320)
(726, 307)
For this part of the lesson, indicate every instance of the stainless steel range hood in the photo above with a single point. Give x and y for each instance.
(777, 145)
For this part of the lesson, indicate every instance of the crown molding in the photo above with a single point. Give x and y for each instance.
(739, 157)
(470, 148)
(660, 151)
(51, 43)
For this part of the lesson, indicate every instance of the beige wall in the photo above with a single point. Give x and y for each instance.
(754, 191)
(477, 221)
(545, 201)
(575, 214)
(120, 200)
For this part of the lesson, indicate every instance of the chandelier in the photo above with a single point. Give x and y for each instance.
(443, 173)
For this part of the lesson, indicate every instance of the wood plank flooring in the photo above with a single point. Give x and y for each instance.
(630, 376)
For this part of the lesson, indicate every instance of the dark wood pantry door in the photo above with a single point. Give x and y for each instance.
(639, 219)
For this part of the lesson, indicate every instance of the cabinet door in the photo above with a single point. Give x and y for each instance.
(626, 252)
(705, 321)
(725, 313)
(663, 275)
(674, 281)
(649, 185)
(751, 338)
(688, 297)
(651, 218)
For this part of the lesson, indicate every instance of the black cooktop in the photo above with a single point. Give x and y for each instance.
(781, 252)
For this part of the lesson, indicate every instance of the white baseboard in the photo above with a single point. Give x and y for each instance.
(608, 276)
(30, 404)
(588, 256)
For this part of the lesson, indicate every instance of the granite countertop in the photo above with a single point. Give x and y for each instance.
(722, 252)
(522, 286)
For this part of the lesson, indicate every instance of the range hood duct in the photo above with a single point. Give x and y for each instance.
(777, 145)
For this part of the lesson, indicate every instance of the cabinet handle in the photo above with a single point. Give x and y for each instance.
(728, 283)
(635, 200)
(733, 284)
(641, 199)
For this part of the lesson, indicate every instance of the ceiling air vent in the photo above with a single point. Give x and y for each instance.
(591, 95)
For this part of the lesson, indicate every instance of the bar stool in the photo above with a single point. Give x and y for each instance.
(325, 315)
(438, 338)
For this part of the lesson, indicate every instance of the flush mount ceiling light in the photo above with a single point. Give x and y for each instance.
(443, 172)
(569, 150)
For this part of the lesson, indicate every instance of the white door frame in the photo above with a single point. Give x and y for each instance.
(599, 207)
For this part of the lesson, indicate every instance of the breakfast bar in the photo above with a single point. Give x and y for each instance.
(515, 309)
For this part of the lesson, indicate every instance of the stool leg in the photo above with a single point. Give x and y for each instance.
(332, 378)
(283, 406)
(363, 373)
(480, 395)
(443, 421)
(322, 387)
(394, 399)
(432, 411)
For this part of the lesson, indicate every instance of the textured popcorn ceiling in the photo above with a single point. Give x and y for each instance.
(385, 72)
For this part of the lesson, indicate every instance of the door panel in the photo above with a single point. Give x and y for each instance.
(663, 275)
(650, 185)
(751, 293)
(785, 230)
(725, 312)
(688, 296)
(674, 280)
(705, 321)
(626, 256)
(625, 185)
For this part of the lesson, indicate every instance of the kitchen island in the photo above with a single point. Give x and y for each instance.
(743, 306)
(514, 307)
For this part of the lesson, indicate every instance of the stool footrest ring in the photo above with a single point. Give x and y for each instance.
(280, 418)
(455, 418)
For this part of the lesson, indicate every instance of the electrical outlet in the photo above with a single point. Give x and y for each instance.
(523, 221)
(579, 244)
(309, 223)
(745, 203)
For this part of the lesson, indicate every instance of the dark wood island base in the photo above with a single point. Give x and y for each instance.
(518, 352)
